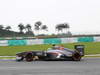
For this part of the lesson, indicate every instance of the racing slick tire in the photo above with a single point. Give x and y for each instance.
(76, 57)
(29, 57)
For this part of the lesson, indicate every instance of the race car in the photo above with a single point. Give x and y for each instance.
(51, 54)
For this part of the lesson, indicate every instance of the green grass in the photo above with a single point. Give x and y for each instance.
(7, 57)
(90, 48)
(93, 56)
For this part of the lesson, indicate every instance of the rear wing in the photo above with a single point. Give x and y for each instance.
(80, 48)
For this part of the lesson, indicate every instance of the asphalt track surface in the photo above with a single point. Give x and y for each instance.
(87, 66)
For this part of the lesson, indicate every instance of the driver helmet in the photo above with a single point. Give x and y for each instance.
(56, 47)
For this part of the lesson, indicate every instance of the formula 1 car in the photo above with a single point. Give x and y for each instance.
(50, 54)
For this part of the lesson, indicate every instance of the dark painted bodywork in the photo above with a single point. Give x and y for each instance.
(66, 54)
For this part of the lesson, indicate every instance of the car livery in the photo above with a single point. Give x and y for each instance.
(50, 54)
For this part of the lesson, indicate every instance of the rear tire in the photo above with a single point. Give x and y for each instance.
(76, 57)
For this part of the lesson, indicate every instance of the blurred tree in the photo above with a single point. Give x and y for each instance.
(38, 23)
(1, 27)
(21, 27)
(44, 27)
(66, 27)
(8, 28)
(28, 27)
(37, 26)
(61, 27)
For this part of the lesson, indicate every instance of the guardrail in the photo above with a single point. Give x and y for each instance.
(48, 41)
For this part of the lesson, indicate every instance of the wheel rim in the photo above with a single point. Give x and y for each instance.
(76, 57)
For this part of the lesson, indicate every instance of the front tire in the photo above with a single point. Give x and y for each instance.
(29, 57)
(19, 58)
